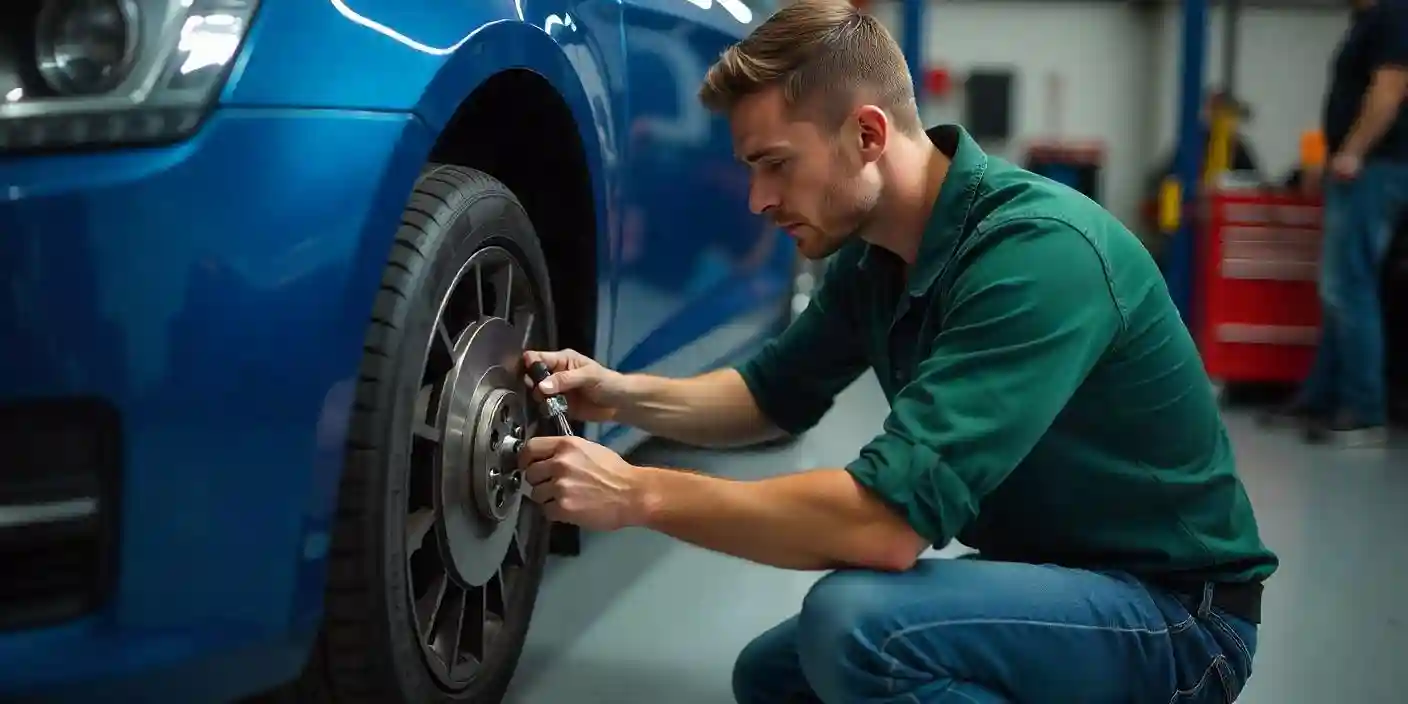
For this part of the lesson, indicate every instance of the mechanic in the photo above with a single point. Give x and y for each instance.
(1345, 399)
(1047, 407)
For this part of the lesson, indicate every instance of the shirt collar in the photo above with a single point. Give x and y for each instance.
(951, 209)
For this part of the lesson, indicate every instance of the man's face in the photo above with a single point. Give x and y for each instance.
(819, 187)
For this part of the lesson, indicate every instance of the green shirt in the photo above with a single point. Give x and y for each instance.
(1047, 403)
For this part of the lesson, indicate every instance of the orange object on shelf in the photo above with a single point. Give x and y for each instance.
(1312, 149)
(1257, 304)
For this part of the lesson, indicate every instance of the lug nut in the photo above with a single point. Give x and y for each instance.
(510, 444)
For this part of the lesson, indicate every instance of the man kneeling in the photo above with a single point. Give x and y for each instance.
(1048, 407)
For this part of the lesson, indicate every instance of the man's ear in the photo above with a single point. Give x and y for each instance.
(873, 132)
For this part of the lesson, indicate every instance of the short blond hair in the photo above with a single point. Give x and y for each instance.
(824, 54)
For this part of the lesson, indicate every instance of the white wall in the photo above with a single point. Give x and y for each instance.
(1282, 70)
(1117, 67)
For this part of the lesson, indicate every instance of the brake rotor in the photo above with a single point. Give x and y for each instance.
(479, 490)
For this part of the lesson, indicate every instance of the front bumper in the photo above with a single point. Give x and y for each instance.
(214, 296)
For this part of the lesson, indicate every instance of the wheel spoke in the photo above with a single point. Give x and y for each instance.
(418, 525)
(445, 632)
(446, 339)
(456, 645)
(527, 326)
(422, 427)
(473, 641)
(430, 605)
(503, 291)
(494, 601)
(427, 431)
(479, 286)
(483, 619)
(516, 552)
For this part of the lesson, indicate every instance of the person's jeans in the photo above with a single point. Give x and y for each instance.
(1360, 217)
(973, 630)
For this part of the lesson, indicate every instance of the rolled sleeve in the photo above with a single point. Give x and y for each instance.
(1028, 320)
(795, 378)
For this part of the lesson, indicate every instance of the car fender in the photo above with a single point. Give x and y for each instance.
(573, 64)
(427, 57)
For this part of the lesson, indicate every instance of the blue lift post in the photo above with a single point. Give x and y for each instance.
(912, 43)
(1183, 252)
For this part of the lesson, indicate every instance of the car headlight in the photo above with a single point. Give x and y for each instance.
(97, 72)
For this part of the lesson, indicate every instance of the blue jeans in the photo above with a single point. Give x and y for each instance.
(1360, 218)
(973, 630)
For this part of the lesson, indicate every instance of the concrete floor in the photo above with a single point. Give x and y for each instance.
(642, 619)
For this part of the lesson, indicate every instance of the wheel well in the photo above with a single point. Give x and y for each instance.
(516, 128)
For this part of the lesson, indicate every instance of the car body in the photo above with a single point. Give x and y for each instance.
(184, 310)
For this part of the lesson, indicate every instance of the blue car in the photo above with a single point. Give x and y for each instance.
(267, 269)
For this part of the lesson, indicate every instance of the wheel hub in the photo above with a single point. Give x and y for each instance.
(494, 475)
(480, 489)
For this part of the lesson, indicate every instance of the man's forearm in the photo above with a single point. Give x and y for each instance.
(812, 520)
(1375, 117)
(1376, 114)
(711, 410)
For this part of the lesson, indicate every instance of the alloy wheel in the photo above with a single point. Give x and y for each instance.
(468, 522)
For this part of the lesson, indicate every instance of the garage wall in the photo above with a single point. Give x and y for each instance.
(1282, 72)
(1109, 71)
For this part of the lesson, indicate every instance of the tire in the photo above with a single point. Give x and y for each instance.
(369, 650)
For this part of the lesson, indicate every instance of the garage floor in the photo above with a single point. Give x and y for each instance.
(642, 619)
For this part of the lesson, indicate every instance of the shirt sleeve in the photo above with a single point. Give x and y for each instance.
(1028, 319)
(795, 378)
(1393, 35)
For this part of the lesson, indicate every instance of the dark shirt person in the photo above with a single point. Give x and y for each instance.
(1345, 400)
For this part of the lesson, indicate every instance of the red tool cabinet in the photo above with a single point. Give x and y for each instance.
(1257, 314)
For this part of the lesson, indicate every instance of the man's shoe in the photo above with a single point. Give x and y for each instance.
(1344, 430)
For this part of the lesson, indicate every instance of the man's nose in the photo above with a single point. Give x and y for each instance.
(760, 199)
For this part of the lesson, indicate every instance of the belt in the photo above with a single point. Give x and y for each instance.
(1240, 599)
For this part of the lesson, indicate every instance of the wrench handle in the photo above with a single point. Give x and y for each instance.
(557, 405)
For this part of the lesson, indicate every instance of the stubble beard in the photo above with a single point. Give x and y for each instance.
(850, 209)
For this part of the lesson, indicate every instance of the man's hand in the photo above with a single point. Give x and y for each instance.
(1387, 88)
(1346, 166)
(713, 410)
(593, 392)
(580, 482)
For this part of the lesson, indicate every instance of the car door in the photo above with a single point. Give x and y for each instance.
(698, 275)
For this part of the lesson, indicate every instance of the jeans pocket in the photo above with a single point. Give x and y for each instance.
(1231, 649)
(1239, 647)
(1209, 688)
(1231, 683)
(1218, 685)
